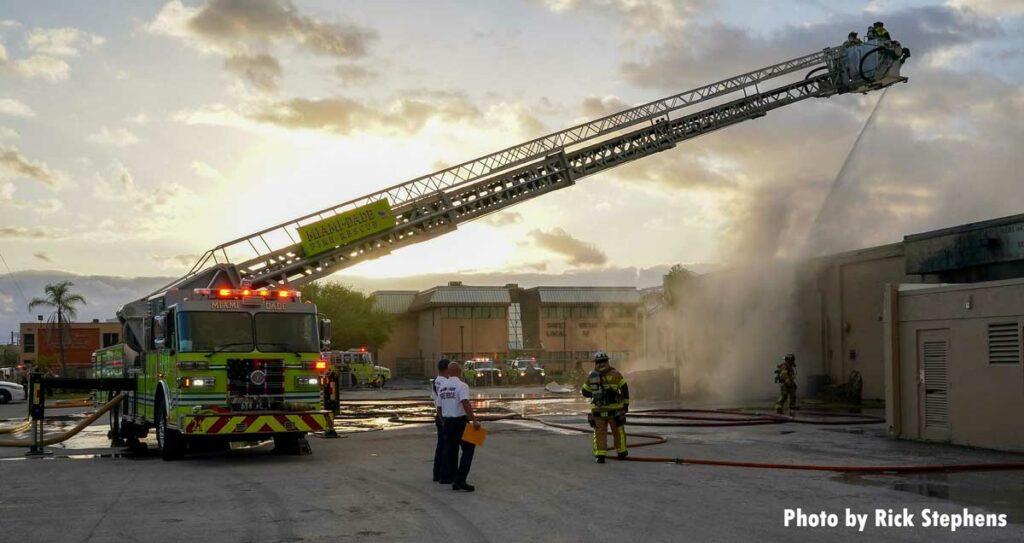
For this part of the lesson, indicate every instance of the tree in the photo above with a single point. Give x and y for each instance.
(354, 321)
(674, 282)
(64, 302)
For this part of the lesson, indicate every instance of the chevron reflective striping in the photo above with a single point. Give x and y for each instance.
(254, 424)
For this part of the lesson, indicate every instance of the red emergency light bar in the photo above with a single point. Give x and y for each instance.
(236, 293)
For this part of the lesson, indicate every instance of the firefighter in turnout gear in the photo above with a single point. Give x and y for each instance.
(609, 398)
(785, 375)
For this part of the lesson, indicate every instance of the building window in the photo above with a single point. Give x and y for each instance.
(1004, 343)
(110, 338)
(585, 312)
(28, 343)
(488, 312)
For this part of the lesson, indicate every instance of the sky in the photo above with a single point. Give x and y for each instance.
(136, 135)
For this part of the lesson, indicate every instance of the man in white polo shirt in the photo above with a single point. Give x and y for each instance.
(453, 395)
(442, 376)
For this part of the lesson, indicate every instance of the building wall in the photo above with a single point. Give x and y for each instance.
(984, 399)
(81, 341)
(851, 288)
(572, 336)
(429, 336)
(403, 343)
(474, 337)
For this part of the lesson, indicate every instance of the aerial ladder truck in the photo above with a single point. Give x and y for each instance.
(230, 352)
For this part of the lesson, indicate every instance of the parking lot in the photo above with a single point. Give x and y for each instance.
(534, 483)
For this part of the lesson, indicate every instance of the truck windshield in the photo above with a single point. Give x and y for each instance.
(484, 365)
(289, 332)
(205, 331)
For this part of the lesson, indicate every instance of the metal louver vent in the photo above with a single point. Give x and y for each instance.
(1004, 343)
(936, 392)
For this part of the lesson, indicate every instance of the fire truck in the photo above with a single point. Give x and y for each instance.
(220, 364)
(229, 351)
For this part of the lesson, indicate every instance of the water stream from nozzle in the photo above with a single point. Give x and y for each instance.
(812, 243)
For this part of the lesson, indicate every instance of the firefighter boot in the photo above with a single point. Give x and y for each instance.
(599, 459)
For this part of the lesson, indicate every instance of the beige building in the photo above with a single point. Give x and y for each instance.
(40, 344)
(555, 324)
(565, 324)
(953, 363)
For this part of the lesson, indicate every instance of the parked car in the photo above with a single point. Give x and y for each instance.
(11, 391)
(526, 370)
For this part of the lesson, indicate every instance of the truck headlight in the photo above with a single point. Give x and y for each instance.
(307, 381)
(197, 382)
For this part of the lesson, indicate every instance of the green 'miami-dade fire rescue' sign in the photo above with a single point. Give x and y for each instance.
(346, 227)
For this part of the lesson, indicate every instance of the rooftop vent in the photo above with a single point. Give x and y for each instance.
(454, 283)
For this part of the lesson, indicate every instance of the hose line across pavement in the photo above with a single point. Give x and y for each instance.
(718, 418)
(57, 438)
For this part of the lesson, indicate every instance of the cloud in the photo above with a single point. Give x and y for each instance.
(232, 25)
(203, 169)
(21, 232)
(261, 71)
(405, 115)
(576, 252)
(14, 163)
(177, 261)
(10, 106)
(43, 67)
(138, 118)
(595, 108)
(117, 137)
(6, 191)
(166, 201)
(42, 256)
(8, 133)
(61, 42)
(503, 218)
(244, 31)
(354, 75)
(713, 51)
(635, 15)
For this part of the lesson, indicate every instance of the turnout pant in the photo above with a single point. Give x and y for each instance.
(439, 450)
(456, 469)
(602, 421)
(786, 392)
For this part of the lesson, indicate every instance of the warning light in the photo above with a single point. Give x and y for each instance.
(320, 364)
(362, 349)
(224, 292)
(264, 293)
(283, 294)
(246, 292)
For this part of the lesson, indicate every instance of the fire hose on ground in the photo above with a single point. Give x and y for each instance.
(714, 418)
(53, 439)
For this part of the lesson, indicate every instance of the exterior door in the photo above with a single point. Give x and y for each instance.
(933, 384)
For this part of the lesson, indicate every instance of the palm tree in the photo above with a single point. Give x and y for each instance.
(59, 297)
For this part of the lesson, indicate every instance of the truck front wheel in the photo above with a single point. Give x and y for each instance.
(169, 442)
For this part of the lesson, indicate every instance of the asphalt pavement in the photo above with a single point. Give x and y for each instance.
(534, 483)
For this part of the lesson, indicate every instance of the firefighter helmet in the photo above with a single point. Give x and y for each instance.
(600, 356)
(790, 358)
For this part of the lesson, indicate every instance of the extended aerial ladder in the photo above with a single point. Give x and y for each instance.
(435, 204)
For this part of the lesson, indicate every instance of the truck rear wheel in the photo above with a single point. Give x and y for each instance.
(169, 442)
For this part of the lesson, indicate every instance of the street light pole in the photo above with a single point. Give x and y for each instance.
(462, 341)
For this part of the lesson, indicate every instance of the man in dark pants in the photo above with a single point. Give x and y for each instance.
(453, 395)
(442, 375)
